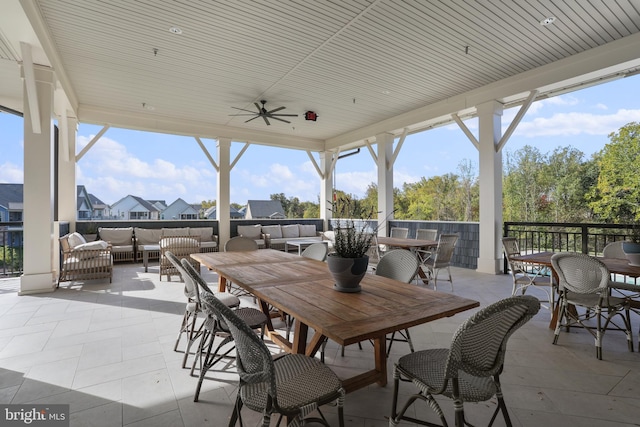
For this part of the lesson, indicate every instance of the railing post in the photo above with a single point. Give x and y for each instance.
(585, 239)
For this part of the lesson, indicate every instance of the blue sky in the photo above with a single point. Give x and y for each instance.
(156, 166)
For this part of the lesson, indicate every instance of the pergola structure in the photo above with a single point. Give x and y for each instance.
(372, 71)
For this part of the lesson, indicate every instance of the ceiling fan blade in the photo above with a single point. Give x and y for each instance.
(283, 115)
(266, 120)
(243, 114)
(242, 109)
(282, 120)
(258, 107)
(252, 118)
(276, 109)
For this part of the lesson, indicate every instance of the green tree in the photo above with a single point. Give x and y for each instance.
(617, 192)
(525, 186)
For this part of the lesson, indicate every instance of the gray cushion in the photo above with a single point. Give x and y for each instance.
(290, 231)
(273, 230)
(117, 236)
(205, 233)
(250, 231)
(307, 230)
(147, 236)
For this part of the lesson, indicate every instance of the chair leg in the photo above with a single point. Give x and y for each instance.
(561, 315)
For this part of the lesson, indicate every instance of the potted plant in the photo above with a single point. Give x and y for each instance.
(349, 262)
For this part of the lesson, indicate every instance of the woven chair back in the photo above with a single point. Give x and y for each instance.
(399, 232)
(427, 234)
(444, 251)
(479, 344)
(317, 251)
(190, 288)
(240, 244)
(614, 250)
(580, 273)
(398, 264)
(195, 276)
(254, 361)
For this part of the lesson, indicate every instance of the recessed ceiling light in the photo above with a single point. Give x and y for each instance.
(175, 30)
(386, 92)
(548, 21)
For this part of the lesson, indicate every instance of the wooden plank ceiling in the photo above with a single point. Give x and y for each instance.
(355, 63)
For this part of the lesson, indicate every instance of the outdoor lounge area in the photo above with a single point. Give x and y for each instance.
(107, 350)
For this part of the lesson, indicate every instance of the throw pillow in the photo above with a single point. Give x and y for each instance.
(76, 239)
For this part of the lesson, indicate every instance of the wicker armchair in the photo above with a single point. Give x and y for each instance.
(584, 281)
(181, 247)
(468, 371)
(84, 261)
(293, 385)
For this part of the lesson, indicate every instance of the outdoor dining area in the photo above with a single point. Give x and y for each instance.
(140, 350)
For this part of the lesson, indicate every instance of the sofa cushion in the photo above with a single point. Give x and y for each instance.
(289, 231)
(89, 250)
(307, 230)
(178, 231)
(75, 239)
(117, 236)
(272, 230)
(250, 231)
(205, 233)
(147, 236)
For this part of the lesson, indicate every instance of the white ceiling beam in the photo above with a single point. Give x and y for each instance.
(315, 164)
(30, 86)
(168, 125)
(206, 153)
(466, 131)
(607, 59)
(516, 120)
(91, 143)
(244, 148)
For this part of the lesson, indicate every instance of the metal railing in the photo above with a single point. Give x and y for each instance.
(11, 248)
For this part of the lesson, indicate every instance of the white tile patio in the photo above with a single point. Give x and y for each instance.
(107, 350)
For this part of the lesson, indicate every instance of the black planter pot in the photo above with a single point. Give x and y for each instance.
(347, 272)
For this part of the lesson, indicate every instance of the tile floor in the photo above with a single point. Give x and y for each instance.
(107, 350)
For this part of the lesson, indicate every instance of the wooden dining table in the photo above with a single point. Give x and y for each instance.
(304, 289)
(614, 265)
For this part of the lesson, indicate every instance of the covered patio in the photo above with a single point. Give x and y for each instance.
(369, 72)
(107, 350)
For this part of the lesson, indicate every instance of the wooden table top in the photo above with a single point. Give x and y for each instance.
(214, 259)
(406, 243)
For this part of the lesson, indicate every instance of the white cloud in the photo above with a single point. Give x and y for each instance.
(601, 106)
(355, 182)
(11, 173)
(110, 171)
(565, 124)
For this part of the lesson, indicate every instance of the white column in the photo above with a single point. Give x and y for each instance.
(489, 115)
(223, 210)
(385, 181)
(326, 188)
(39, 239)
(67, 171)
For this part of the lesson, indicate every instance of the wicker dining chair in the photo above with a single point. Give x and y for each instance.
(213, 327)
(189, 326)
(468, 371)
(439, 258)
(527, 277)
(292, 385)
(427, 234)
(317, 251)
(585, 281)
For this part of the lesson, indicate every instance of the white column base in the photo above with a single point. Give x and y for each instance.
(489, 265)
(37, 283)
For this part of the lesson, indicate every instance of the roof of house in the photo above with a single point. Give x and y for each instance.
(264, 208)
(11, 193)
(95, 201)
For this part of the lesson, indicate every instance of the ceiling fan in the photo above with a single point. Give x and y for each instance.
(264, 113)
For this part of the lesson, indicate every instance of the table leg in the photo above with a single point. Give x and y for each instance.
(222, 284)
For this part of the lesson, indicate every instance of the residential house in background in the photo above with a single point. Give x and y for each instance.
(84, 208)
(101, 210)
(267, 209)
(11, 202)
(179, 210)
(211, 213)
(159, 204)
(133, 208)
